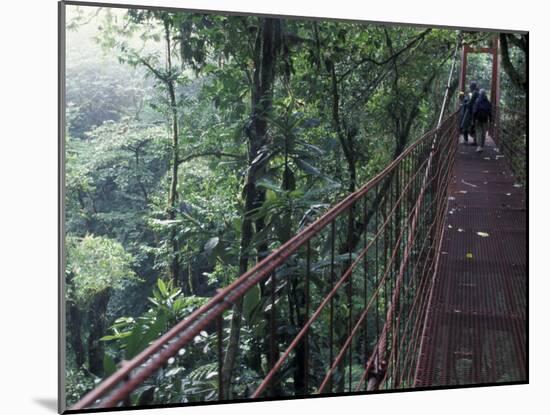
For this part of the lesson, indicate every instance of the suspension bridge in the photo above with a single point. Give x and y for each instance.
(420, 281)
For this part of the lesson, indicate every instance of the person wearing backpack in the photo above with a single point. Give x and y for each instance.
(474, 95)
(464, 116)
(482, 116)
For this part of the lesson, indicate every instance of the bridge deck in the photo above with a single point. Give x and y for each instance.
(477, 326)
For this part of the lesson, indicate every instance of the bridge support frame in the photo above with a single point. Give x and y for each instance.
(495, 73)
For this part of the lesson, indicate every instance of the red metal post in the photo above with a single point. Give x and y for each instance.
(495, 79)
(496, 99)
(463, 67)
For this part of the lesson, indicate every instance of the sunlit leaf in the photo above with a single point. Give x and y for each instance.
(211, 244)
(162, 287)
(307, 168)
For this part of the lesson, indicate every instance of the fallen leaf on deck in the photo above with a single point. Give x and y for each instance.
(508, 194)
(518, 185)
(469, 255)
(469, 184)
(460, 230)
(462, 191)
(450, 226)
(451, 198)
(483, 234)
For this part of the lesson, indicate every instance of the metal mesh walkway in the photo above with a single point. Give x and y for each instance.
(476, 331)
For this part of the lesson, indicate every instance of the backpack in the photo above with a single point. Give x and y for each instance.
(483, 109)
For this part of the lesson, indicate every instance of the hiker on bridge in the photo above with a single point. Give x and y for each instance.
(464, 116)
(474, 95)
(482, 116)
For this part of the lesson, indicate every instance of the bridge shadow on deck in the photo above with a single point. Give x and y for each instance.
(476, 331)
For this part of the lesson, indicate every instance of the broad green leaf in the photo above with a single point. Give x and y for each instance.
(306, 167)
(162, 287)
(268, 184)
(109, 365)
(270, 195)
(251, 301)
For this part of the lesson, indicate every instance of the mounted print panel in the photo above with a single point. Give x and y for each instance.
(274, 207)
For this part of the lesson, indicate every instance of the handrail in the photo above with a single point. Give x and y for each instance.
(510, 135)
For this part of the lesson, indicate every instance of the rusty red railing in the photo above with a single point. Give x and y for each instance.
(358, 278)
(510, 135)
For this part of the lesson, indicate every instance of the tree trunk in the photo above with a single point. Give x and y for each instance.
(98, 320)
(74, 325)
(173, 195)
(75, 338)
(345, 137)
(517, 79)
(265, 54)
